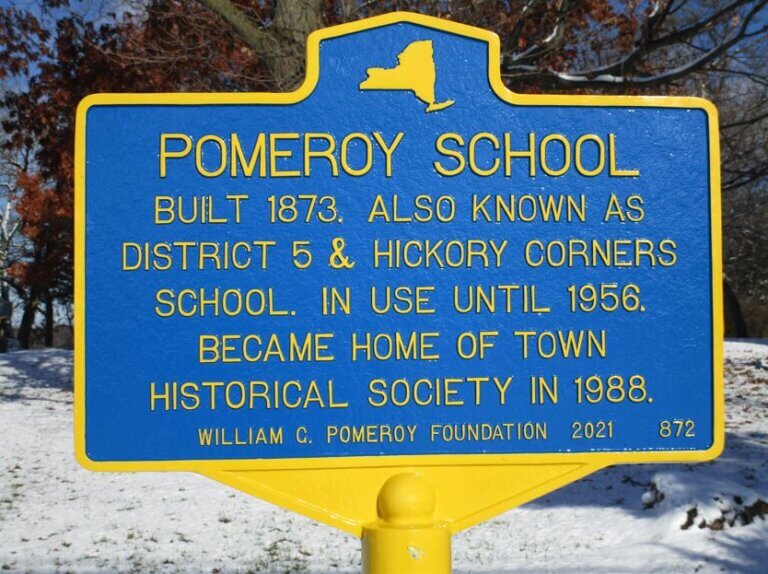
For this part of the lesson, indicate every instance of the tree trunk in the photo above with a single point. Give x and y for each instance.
(48, 319)
(28, 320)
(294, 20)
(5, 317)
(735, 326)
(281, 45)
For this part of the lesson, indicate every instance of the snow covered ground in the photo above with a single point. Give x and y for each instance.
(57, 517)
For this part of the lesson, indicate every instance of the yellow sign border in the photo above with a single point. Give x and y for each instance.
(213, 467)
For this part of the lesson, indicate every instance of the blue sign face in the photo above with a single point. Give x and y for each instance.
(401, 258)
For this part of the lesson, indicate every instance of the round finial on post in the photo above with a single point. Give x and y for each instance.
(406, 499)
(406, 539)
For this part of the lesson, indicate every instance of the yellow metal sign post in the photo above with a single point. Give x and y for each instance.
(406, 299)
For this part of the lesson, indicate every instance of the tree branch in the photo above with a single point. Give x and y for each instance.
(592, 79)
(259, 40)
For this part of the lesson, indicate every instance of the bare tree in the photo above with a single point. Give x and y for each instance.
(665, 42)
(9, 244)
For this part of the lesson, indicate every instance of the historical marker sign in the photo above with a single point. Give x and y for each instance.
(400, 264)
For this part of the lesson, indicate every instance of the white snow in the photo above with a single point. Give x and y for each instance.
(57, 517)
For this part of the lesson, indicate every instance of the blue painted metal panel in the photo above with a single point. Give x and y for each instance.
(128, 346)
